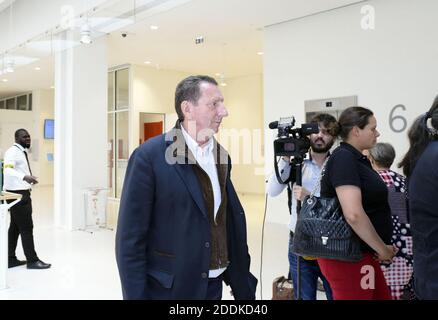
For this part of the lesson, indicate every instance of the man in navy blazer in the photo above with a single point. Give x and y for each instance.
(181, 228)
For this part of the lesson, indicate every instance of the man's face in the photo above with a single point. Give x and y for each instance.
(208, 113)
(322, 141)
(23, 139)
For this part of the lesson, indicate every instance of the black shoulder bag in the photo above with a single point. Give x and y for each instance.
(323, 232)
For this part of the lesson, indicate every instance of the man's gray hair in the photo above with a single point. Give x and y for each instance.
(383, 154)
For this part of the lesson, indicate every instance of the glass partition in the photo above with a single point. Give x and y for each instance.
(111, 92)
(22, 102)
(122, 89)
(122, 147)
(110, 158)
(118, 129)
(10, 104)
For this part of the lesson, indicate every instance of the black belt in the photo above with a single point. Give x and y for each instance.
(19, 191)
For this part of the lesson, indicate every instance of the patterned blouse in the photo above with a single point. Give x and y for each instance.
(398, 274)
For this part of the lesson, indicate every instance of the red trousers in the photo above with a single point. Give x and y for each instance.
(363, 280)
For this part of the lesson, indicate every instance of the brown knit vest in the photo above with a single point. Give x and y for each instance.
(218, 245)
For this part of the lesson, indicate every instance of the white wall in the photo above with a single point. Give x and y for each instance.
(10, 121)
(150, 117)
(329, 55)
(43, 108)
(244, 102)
(153, 91)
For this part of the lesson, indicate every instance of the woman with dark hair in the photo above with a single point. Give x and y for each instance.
(364, 200)
(420, 165)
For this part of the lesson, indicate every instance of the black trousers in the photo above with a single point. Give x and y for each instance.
(214, 289)
(22, 225)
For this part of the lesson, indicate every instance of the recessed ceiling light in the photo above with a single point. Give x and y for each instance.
(154, 27)
(9, 66)
(147, 62)
(223, 84)
(37, 68)
(5, 80)
(260, 53)
(217, 74)
(52, 87)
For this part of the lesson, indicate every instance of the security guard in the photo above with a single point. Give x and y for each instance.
(18, 178)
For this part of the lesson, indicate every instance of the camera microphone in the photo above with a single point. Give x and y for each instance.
(273, 125)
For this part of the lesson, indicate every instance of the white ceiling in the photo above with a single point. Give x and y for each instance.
(5, 3)
(233, 32)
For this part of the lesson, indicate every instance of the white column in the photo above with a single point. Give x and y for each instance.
(81, 76)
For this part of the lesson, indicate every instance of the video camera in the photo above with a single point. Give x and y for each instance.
(292, 142)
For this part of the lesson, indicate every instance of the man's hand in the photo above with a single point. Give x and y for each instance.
(300, 193)
(30, 179)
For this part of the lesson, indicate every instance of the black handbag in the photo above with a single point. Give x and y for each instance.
(322, 231)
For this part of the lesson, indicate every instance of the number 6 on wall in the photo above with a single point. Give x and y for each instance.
(393, 118)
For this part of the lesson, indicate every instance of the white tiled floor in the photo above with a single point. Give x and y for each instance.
(83, 264)
(84, 267)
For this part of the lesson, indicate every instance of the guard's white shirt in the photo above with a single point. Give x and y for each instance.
(205, 158)
(15, 167)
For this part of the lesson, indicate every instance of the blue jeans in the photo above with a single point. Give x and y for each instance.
(310, 272)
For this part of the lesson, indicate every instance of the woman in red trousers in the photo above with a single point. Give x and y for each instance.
(364, 200)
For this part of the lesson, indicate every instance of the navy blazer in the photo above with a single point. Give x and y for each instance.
(163, 231)
(423, 195)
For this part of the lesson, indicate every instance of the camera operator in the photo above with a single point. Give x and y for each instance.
(320, 145)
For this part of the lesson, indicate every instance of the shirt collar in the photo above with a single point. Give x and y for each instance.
(355, 152)
(194, 146)
(19, 146)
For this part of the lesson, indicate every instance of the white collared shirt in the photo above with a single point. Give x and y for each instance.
(205, 158)
(15, 168)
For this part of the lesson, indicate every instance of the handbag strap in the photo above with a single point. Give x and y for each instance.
(318, 185)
